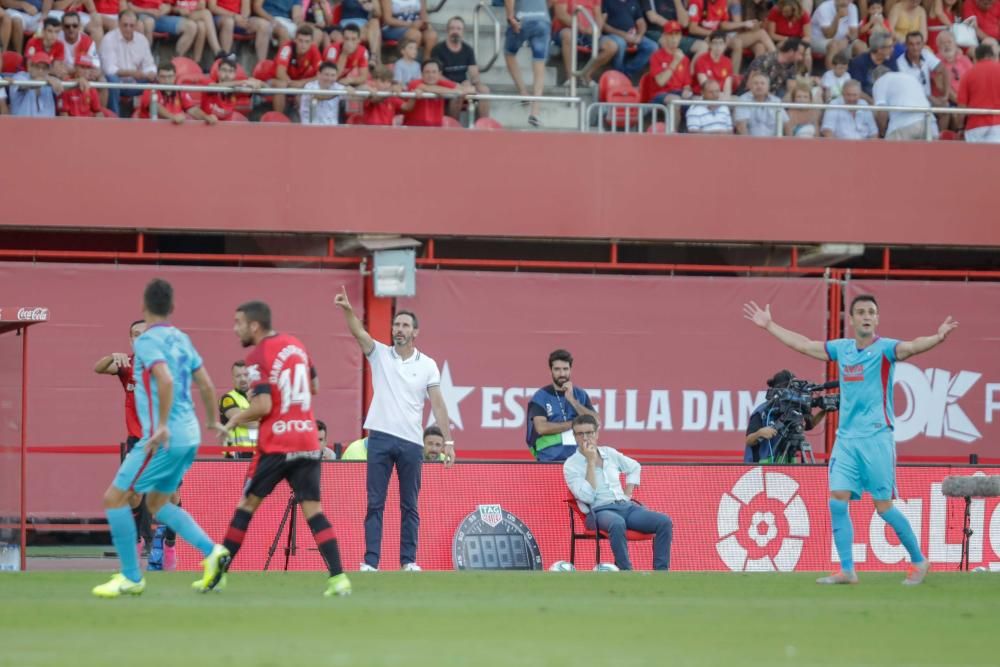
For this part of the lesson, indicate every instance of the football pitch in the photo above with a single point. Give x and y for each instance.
(472, 619)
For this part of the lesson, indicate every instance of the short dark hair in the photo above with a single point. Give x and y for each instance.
(135, 323)
(718, 34)
(320, 425)
(915, 33)
(432, 61)
(560, 355)
(985, 51)
(256, 311)
(159, 297)
(410, 314)
(166, 66)
(456, 18)
(433, 429)
(52, 22)
(239, 363)
(581, 420)
(304, 30)
(70, 15)
(328, 64)
(790, 44)
(350, 27)
(841, 59)
(859, 298)
(781, 379)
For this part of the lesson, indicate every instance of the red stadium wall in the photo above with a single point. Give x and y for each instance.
(669, 361)
(738, 518)
(432, 182)
(91, 307)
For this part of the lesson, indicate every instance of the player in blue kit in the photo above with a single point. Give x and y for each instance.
(165, 365)
(864, 455)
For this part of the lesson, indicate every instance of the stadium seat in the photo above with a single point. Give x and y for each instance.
(239, 118)
(12, 62)
(186, 67)
(450, 123)
(264, 70)
(487, 124)
(274, 117)
(647, 84)
(587, 534)
(615, 87)
(612, 81)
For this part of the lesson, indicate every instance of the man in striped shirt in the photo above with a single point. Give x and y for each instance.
(710, 118)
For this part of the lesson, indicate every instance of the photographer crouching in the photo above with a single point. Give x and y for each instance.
(776, 431)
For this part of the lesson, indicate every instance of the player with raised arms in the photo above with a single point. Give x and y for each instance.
(165, 364)
(864, 454)
(282, 384)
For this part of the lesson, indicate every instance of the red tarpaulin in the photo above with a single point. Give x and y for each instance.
(738, 518)
(669, 362)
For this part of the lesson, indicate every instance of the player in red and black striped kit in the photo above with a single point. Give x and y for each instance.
(282, 384)
(120, 365)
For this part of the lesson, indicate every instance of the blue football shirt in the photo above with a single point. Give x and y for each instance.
(866, 378)
(165, 344)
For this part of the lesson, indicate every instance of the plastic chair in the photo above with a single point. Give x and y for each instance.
(615, 87)
(274, 117)
(12, 62)
(237, 117)
(613, 80)
(450, 123)
(647, 84)
(586, 534)
(487, 124)
(264, 70)
(186, 67)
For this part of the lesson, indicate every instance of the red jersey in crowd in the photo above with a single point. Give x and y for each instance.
(35, 45)
(298, 67)
(109, 7)
(427, 112)
(709, 14)
(719, 71)
(173, 101)
(381, 111)
(128, 384)
(74, 102)
(279, 366)
(786, 27)
(583, 27)
(980, 89)
(147, 4)
(235, 6)
(661, 62)
(220, 105)
(354, 63)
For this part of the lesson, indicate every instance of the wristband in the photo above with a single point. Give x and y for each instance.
(449, 443)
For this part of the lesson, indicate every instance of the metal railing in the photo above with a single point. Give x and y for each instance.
(623, 117)
(315, 93)
(594, 47)
(483, 7)
(780, 107)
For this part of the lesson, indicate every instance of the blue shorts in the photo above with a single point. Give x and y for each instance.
(865, 464)
(536, 32)
(393, 33)
(357, 22)
(236, 29)
(168, 24)
(162, 473)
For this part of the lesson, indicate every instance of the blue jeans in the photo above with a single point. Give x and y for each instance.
(636, 62)
(384, 452)
(536, 32)
(115, 94)
(615, 519)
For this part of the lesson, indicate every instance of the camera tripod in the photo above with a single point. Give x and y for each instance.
(288, 517)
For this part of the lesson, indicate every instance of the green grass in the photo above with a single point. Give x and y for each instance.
(466, 619)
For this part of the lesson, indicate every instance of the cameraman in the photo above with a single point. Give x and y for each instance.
(762, 440)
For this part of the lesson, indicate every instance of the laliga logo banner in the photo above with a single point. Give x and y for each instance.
(762, 506)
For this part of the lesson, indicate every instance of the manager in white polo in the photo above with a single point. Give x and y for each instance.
(402, 379)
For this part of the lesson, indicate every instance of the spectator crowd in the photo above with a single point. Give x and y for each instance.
(928, 54)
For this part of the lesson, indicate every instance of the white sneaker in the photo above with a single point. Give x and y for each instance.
(365, 567)
(412, 567)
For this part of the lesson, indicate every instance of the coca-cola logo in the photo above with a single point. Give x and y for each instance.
(32, 314)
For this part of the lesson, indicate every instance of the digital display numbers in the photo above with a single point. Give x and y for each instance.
(492, 539)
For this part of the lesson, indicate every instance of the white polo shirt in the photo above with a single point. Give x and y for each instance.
(400, 389)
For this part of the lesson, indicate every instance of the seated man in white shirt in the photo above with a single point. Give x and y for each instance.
(760, 121)
(920, 62)
(895, 89)
(710, 118)
(326, 109)
(847, 124)
(592, 474)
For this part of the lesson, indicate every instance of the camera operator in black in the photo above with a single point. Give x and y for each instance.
(762, 438)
